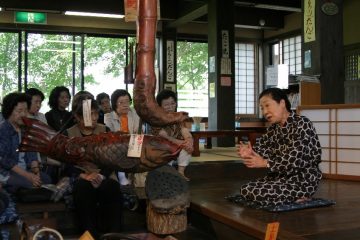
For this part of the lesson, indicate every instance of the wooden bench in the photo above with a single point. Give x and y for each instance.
(251, 133)
(43, 208)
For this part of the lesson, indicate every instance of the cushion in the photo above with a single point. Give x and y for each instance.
(311, 203)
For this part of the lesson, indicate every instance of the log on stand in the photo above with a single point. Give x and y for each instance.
(165, 223)
(168, 199)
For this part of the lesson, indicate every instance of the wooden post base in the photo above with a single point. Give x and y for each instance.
(165, 223)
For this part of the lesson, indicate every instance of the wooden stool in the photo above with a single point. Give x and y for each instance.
(165, 223)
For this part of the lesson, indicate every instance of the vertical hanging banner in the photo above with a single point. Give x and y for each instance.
(309, 20)
(170, 53)
(225, 43)
(225, 53)
(358, 66)
(130, 10)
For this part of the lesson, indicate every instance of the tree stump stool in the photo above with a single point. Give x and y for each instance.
(165, 223)
(168, 199)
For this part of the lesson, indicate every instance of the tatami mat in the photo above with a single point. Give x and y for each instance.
(216, 154)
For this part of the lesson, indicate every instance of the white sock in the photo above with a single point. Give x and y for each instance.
(122, 178)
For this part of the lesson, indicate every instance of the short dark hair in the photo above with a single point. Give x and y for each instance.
(78, 98)
(101, 96)
(277, 95)
(165, 94)
(78, 110)
(119, 93)
(35, 92)
(55, 94)
(11, 100)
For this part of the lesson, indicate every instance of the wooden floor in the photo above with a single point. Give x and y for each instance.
(335, 222)
(211, 217)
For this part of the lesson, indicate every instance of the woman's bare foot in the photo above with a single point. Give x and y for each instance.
(303, 199)
(181, 170)
(186, 178)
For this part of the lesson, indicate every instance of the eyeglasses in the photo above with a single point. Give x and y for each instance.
(124, 103)
(166, 105)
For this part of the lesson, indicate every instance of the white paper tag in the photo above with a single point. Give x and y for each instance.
(87, 112)
(135, 145)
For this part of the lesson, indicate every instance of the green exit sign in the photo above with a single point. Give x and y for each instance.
(30, 17)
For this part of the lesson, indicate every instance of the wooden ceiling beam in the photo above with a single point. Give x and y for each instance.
(195, 14)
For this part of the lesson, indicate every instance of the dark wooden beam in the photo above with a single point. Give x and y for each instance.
(197, 13)
(251, 17)
(105, 6)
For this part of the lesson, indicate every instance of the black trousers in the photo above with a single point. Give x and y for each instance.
(98, 210)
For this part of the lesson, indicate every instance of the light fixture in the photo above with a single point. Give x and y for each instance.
(247, 26)
(0, 9)
(255, 27)
(278, 7)
(32, 10)
(262, 22)
(88, 14)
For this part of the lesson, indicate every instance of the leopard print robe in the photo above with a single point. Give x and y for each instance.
(294, 154)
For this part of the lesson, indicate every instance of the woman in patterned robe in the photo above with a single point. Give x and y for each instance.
(290, 149)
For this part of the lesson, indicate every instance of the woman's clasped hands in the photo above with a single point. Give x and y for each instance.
(250, 158)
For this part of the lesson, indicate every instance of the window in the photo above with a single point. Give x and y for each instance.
(50, 59)
(105, 59)
(192, 78)
(9, 45)
(245, 85)
(288, 51)
(292, 54)
(352, 63)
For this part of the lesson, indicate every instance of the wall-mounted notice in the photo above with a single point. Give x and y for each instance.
(309, 20)
(225, 66)
(225, 81)
(212, 64)
(170, 61)
(212, 90)
(225, 43)
(277, 76)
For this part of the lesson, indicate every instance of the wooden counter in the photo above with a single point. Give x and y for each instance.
(250, 132)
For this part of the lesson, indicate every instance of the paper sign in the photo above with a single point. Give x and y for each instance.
(130, 10)
(307, 59)
(225, 66)
(170, 53)
(135, 145)
(212, 64)
(271, 76)
(212, 90)
(87, 112)
(309, 21)
(225, 81)
(272, 231)
(225, 46)
(358, 66)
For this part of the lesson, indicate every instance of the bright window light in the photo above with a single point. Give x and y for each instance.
(88, 14)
